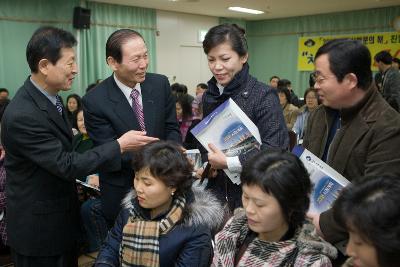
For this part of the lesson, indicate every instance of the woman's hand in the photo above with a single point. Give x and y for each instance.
(216, 158)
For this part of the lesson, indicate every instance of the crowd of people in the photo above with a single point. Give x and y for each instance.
(126, 141)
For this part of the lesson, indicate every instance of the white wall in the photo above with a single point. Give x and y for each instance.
(180, 55)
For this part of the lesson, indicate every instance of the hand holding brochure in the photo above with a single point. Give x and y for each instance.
(87, 185)
(327, 182)
(229, 129)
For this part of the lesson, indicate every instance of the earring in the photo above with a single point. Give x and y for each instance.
(172, 193)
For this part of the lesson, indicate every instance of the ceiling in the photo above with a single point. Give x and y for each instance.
(272, 8)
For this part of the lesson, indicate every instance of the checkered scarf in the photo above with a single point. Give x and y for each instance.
(140, 245)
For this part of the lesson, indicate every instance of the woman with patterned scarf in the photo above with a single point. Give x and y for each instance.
(226, 49)
(272, 230)
(163, 222)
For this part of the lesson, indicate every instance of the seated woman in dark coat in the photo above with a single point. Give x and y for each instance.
(163, 222)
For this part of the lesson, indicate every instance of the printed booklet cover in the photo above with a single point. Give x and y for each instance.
(229, 129)
(327, 182)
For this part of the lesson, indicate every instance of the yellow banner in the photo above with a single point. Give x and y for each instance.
(375, 42)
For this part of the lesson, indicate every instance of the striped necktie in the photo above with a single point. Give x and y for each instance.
(137, 108)
(59, 105)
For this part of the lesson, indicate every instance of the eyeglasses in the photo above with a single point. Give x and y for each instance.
(318, 78)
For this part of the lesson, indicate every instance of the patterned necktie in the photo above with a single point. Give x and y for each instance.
(59, 105)
(137, 108)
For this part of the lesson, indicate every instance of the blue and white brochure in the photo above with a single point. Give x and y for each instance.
(327, 182)
(229, 129)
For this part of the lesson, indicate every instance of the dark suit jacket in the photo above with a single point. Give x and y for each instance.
(41, 171)
(108, 115)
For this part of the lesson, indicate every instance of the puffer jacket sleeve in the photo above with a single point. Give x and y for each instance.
(109, 252)
(197, 252)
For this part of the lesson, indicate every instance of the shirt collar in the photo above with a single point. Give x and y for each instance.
(126, 90)
(52, 98)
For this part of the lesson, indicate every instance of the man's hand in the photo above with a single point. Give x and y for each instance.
(314, 217)
(134, 140)
(216, 158)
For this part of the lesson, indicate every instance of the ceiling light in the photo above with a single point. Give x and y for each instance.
(245, 10)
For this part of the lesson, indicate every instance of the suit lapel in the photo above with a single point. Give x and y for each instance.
(121, 105)
(44, 104)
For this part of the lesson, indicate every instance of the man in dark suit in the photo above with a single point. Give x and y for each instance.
(41, 167)
(130, 99)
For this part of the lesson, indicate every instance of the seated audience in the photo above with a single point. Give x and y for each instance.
(93, 220)
(312, 101)
(201, 88)
(273, 82)
(172, 224)
(4, 94)
(4, 101)
(294, 100)
(290, 111)
(197, 111)
(272, 230)
(184, 114)
(369, 210)
(74, 103)
(3, 198)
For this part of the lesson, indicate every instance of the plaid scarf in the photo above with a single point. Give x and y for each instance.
(140, 245)
(258, 253)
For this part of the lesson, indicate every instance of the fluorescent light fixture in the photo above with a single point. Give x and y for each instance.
(245, 10)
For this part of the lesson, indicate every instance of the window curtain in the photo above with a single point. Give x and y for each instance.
(273, 43)
(18, 20)
(105, 19)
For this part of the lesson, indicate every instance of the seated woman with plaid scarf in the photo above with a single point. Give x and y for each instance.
(163, 222)
(272, 229)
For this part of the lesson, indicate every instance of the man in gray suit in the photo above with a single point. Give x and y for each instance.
(41, 168)
(130, 99)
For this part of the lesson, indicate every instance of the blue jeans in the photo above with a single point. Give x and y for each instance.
(94, 223)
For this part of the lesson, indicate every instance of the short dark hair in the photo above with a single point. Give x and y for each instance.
(370, 207)
(285, 91)
(116, 40)
(396, 60)
(166, 161)
(274, 77)
(231, 33)
(384, 57)
(283, 175)
(202, 86)
(78, 100)
(47, 42)
(4, 90)
(348, 56)
(186, 105)
(179, 89)
(284, 83)
(312, 89)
